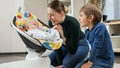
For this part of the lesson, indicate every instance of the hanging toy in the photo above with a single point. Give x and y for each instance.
(19, 15)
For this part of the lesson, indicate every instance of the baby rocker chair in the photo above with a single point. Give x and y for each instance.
(34, 47)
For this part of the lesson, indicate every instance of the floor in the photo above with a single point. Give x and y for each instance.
(11, 57)
(19, 58)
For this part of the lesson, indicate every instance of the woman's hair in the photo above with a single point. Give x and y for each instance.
(92, 10)
(57, 5)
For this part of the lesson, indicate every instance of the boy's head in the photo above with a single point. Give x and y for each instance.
(31, 24)
(92, 13)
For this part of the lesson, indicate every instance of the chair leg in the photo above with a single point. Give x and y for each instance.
(32, 55)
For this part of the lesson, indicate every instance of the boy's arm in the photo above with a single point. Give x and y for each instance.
(97, 43)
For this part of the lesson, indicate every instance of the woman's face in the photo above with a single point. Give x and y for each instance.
(83, 19)
(54, 16)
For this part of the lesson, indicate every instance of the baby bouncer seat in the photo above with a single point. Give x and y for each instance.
(34, 47)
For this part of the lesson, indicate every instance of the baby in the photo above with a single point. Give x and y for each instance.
(41, 32)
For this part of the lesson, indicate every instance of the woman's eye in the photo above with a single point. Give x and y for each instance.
(80, 15)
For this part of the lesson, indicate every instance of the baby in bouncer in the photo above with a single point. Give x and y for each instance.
(41, 32)
(48, 37)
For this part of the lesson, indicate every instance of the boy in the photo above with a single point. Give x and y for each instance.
(102, 55)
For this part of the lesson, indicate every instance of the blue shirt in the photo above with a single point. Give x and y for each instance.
(100, 41)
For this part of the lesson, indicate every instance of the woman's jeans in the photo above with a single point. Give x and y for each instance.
(71, 60)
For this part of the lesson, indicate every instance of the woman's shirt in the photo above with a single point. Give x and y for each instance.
(101, 45)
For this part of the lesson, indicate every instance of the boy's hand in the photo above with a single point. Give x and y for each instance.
(60, 66)
(87, 65)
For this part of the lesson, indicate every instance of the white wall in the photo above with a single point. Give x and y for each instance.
(9, 40)
(109, 9)
(38, 8)
(77, 4)
(116, 9)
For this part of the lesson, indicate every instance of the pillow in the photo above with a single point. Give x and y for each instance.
(22, 18)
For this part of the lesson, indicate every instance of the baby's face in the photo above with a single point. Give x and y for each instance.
(33, 24)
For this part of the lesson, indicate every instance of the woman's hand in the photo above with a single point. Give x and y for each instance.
(60, 30)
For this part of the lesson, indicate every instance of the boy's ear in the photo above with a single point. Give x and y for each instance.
(91, 17)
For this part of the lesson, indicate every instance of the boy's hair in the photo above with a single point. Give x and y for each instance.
(92, 9)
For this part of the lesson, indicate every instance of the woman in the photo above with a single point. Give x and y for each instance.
(75, 47)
